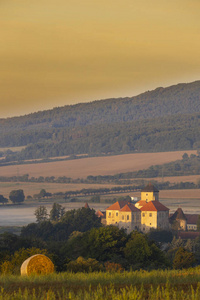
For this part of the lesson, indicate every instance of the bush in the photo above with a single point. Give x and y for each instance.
(84, 265)
(14, 264)
(183, 259)
(112, 267)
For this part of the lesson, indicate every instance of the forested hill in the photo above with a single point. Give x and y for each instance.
(177, 99)
(159, 120)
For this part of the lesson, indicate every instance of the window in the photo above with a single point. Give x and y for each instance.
(150, 214)
(122, 217)
(143, 214)
(150, 224)
(146, 194)
(116, 214)
(109, 214)
(127, 217)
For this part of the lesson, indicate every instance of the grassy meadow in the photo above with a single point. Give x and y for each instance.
(134, 285)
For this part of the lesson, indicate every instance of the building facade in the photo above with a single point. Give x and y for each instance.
(145, 214)
(124, 215)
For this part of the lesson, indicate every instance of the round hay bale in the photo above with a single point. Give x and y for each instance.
(37, 264)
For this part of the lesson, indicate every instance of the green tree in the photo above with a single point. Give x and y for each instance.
(198, 223)
(160, 236)
(105, 243)
(183, 259)
(17, 196)
(143, 253)
(137, 249)
(81, 219)
(56, 212)
(185, 156)
(41, 214)
(3, 199)
(95, 199)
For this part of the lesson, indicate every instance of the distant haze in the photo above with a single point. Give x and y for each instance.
(62, 52)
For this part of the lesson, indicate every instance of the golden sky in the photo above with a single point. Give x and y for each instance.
(58, 52)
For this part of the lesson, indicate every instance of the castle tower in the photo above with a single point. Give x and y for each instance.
(150, 193)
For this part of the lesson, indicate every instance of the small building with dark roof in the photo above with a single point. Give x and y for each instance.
(178, 220)
(181, 221)
(192, 220)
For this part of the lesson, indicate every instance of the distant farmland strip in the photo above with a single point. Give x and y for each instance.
(81, 168)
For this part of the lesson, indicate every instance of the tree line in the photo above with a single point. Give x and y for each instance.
(15, 196)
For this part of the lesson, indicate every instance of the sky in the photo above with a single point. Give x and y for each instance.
(59, 52)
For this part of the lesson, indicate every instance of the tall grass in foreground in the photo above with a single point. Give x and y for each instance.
(138, 285)
(128, 293)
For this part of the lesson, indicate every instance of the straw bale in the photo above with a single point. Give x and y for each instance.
(37, 264)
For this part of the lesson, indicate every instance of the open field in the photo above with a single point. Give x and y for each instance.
(177, 179)
(31, 188)
(12, 148)
(81, 168)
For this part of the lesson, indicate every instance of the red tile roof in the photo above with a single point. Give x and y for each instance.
(154, 206)
(130, 207)
(118, 205)
(188, 234)
(141, 202)
(86, 205)
(192, 218)
(99, 214)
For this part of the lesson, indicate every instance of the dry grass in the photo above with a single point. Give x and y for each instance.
(30, 188)
(12, 148)
(177, 179)
(187, 194)
(81, 168)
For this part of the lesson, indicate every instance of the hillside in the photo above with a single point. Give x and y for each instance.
(165, 119)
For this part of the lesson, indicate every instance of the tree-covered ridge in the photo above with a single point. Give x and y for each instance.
(181, 132)
(160, 120)
(177, 99)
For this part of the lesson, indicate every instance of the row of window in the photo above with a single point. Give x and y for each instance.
(150, 214)
(162, 214)
(127, 217)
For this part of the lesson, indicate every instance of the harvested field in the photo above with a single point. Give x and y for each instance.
(177, 179)
(81, 168)
(188, 200)
(12, 148)
(30, 188)
(182, 194)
